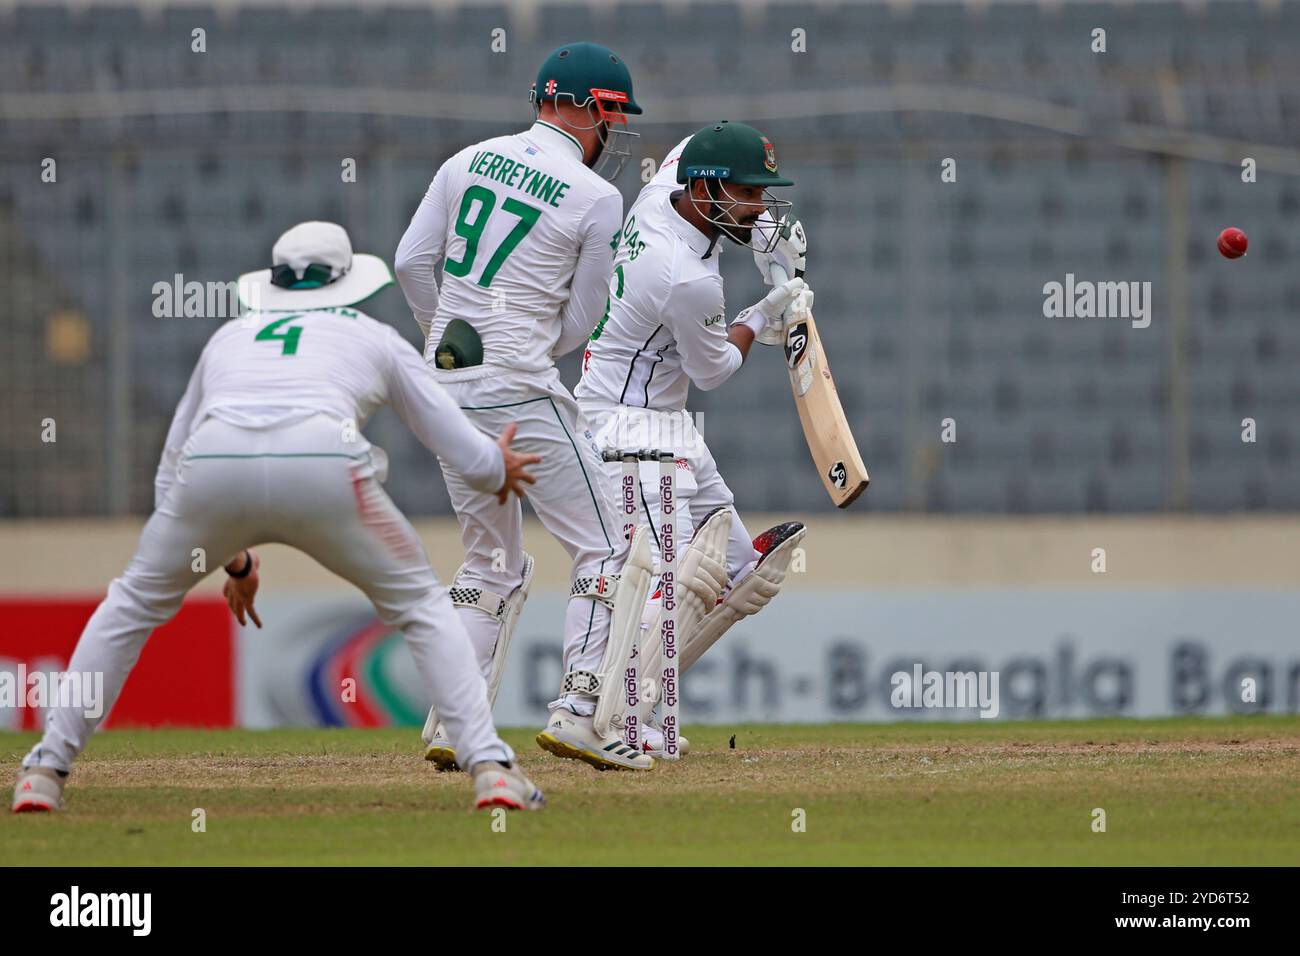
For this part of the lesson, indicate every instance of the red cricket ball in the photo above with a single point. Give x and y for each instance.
(1232, 243)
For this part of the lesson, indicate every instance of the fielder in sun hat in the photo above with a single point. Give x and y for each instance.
(313, 267)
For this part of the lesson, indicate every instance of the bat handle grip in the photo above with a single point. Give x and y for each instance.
(778, 276)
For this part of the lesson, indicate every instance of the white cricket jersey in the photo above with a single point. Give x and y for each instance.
(268, 369)
(523, 230)
(666, 326)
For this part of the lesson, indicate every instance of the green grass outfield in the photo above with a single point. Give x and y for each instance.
(1186, 791)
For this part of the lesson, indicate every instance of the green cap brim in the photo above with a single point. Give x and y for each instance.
(761, 181)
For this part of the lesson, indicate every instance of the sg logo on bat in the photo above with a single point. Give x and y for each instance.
(838, 475)
(801, 357)
(796, 342)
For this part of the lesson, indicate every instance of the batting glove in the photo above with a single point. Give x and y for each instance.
(765, 318)
(791, 249)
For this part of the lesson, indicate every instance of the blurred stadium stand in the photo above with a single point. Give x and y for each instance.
(1122, 166)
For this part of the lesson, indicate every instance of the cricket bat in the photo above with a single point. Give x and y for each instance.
(830, 441)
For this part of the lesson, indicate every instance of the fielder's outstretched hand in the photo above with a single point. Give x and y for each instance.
(240, 591)
(516, 465)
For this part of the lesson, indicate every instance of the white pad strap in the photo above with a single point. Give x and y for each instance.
(481, 598)
(581, 682)
(598, 587)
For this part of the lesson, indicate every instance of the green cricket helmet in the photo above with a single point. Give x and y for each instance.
(729, 153)
(595, 78)
(733, 153)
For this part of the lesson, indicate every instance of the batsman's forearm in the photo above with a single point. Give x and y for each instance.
(742, 337)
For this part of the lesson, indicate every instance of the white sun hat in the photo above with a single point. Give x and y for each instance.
(313, 267)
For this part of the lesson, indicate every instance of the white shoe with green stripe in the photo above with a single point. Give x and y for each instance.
(571, 736)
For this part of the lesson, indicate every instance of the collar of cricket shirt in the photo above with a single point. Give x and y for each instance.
(550, 134)
(695, 240)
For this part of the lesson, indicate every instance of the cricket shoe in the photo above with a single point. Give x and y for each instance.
(569, 735)
(441, 752)
(39, 790)
(503, 785)
(652, 742)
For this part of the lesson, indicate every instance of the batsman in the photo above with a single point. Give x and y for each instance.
(665, 329)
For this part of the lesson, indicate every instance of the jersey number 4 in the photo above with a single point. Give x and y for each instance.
(475, 209)
(288, 338)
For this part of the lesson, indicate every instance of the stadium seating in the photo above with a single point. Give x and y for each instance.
(929, 294)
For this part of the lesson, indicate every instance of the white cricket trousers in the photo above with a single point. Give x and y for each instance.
(570, 498)
(301, 485)
(699, 487)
